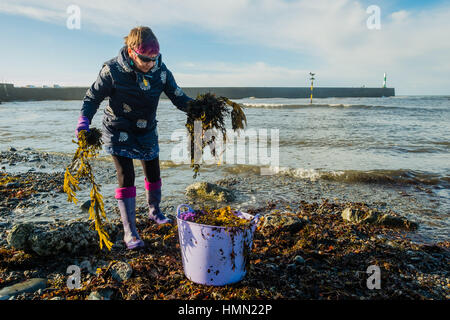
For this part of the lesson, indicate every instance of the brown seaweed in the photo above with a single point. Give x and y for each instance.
(212, 112)
(89, 143)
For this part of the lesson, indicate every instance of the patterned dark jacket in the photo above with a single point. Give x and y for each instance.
(129, 121)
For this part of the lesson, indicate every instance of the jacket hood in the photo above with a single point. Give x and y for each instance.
(125, 61)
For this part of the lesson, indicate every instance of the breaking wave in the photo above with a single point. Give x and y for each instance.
(401, 176)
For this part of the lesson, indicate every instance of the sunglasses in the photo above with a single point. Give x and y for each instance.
(146, 58)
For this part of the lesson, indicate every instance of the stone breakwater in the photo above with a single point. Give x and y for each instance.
(10, 93)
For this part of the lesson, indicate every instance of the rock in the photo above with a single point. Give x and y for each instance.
(121, 271)
(5, 225)
(12, 185)
(86, 205)
(352, 215)
(72, 237)
(28, 286)
(209, 191)
(19, 234)
(291, 266)
(85, 265)
(284, 221)
(102, 294)
(12, 149)
(272, 266)
(355, 215)
(396, 222)
(299, 260)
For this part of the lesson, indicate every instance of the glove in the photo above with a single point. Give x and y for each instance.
(83, 124)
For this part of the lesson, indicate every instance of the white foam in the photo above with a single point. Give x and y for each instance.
(302, 173)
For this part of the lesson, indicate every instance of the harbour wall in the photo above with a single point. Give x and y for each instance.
(8, 92)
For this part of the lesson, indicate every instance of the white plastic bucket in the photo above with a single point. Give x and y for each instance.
(215, 255)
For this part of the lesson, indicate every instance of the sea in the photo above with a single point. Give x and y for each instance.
(391, 152)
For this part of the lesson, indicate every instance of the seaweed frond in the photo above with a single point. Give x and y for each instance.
(212, 112)
(89, 144)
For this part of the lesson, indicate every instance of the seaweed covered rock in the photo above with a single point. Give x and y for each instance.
(209, 191)
(19, 234)
(283, 221)
(71, 238)
(121, 271)
(358, 215)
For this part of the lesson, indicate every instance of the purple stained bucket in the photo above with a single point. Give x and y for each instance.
(212, 255)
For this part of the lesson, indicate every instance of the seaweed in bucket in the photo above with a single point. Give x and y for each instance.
(89, 143)
(212, 111)
(222, 217)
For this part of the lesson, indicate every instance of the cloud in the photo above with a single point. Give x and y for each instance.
(399, 16)
(34, 12)
(411, 45)
(231, 75)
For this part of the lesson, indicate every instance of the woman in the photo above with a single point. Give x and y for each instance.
(133, 81)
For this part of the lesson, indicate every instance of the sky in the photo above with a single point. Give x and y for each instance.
(252, 43)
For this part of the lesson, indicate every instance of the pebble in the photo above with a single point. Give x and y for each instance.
(29, 286)
(291, 266)
(299, 260)
(5, 225)
(121, 271)
(86, 205)
(13, 185)
(101, 295)
(86, 265)
(272, 266)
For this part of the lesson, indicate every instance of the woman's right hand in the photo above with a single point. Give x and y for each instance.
(83, 124)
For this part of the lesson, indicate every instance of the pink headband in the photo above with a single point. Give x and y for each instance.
(151, 46)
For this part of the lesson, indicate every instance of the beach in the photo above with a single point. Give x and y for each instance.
(379, 155)
(319, 255)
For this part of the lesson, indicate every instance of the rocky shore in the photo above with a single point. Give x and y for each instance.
(302, 250)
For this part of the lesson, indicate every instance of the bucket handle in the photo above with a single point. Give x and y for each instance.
(184, 206)
(256, 219)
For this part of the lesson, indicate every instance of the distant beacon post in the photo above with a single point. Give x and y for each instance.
(384, 81)
(312, 85)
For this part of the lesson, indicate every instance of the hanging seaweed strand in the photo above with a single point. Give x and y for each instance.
(211, 111)
(89, 144)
